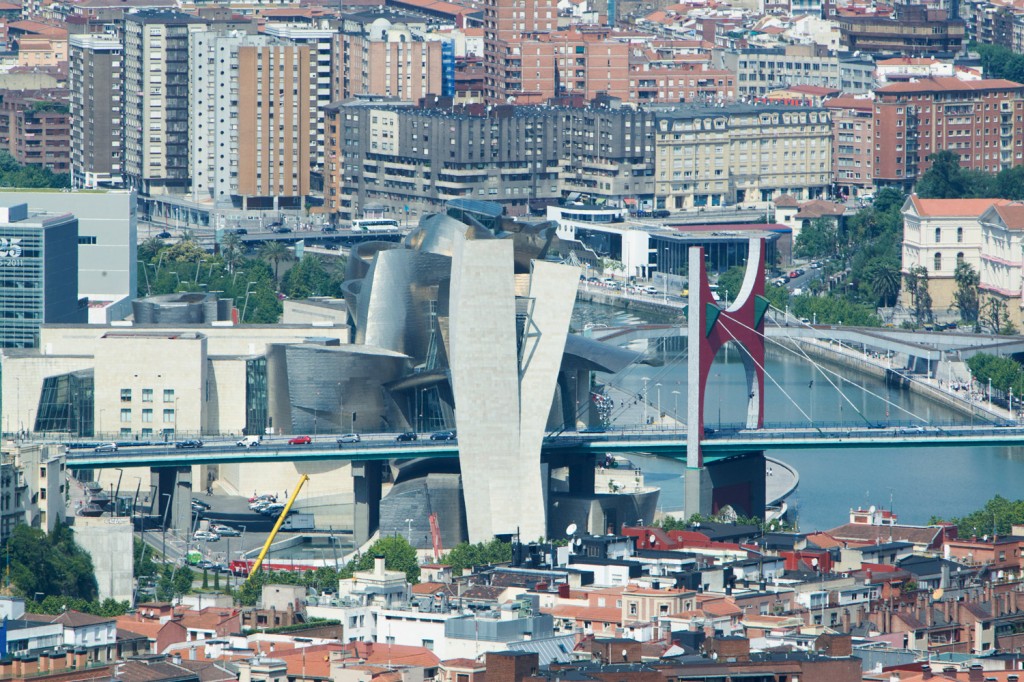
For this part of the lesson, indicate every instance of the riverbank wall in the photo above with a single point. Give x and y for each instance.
(840, 357)
(646, 303)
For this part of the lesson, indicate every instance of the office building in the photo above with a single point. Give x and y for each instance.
(978, 120)
(156, 101)
(94, 79)
(762, 70)
(740, 154)
(253, 120)
(107, 238)
(38, 273)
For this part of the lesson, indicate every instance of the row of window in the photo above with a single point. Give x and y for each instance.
(147, 415)
(147, 395)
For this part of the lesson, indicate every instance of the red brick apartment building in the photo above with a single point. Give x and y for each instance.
(982, 121)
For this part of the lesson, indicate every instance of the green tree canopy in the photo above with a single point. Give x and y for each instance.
(398, 555)
(1005, 373)
(13, 174)
(820, 239)
(997, 516)
(965, 299)
(465, 555)
(49, 563)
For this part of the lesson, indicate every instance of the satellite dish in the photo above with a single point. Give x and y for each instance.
(652, 539)
(871, 509)
(570, 529)
(814, 562)
(579, 541)
(937, 594)
(984, 538)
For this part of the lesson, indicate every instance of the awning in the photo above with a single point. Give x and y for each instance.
(629, 201)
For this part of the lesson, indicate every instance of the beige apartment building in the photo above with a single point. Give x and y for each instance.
(740, 154)
(395, 64)
(277, 118)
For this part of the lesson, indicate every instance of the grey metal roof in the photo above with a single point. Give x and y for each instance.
(549, 649)
(597, 355)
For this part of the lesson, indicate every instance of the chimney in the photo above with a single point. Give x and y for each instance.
(894, 676)
(81, 659)
(378, 566)
(176, 659)
(69, 659)
(846, 620)
(929, 615)
(950, 671)
(975, 674)
(58, 661)
(17, 667)
(926, 672)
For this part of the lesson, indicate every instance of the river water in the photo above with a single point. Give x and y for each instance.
(916, 482)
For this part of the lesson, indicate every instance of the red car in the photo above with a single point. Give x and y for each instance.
(300, 440)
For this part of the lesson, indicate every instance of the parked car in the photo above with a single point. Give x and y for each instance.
(661, 213)
(106, 447)
(225, 531)
(283, 230)
(794, 274)
(273, 509)
(651, 290)
(349, 438)
(163, 235)
(300, 440)
(443, 435)
(241, 231)
(199, 503)
(406, 437)
(206, 535)
(189, 443)
(330, 229)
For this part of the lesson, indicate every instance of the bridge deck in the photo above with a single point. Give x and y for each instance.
(666, 442)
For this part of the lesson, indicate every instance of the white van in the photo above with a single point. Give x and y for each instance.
(248, 442)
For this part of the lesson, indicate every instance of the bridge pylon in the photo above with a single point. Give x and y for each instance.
(709, 329)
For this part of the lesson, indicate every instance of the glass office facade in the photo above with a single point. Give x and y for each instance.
(256, 411)
(66, 404)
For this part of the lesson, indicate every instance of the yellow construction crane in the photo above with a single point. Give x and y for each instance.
(277, 526)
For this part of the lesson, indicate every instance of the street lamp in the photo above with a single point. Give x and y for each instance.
(658, 386)
(163, 541)
(408, 531)
(245, 305)
(675, 405)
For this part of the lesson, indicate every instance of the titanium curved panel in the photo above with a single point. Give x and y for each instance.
(361, 255)
(438, 234)
(396, 300)
(337, 389)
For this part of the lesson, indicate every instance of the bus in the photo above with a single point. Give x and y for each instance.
(375, 225)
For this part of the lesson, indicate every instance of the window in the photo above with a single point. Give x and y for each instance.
(959, 235)
(938, 235)
(632, 608)
(938, 262)
(960, 258)
(147, 415)
(147, 395)
(168, 395)
(428, 644)
(126, 395)
(86, 240)
(168, 416)
(126, 414)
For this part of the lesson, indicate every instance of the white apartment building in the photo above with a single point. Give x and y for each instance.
(939, 234)
(1002, 256)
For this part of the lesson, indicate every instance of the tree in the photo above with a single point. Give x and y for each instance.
(13, 174)
(142, 562)
(465, 555)
(309, 278)
(884, 279)
(49, 563)
(731, 281)
(820, 239)
(965, 300)
(995, 317)
(174, 583)
(275, 252)
(998, 516)
(398, 555)
(920, 297)
(945, 179)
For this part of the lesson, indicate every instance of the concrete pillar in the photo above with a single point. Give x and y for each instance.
(737, 481)
(581, 476)
(366, 485)
(174, 487)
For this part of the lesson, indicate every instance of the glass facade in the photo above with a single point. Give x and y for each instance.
(721, 252)
(66, 404)
(256, 409)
